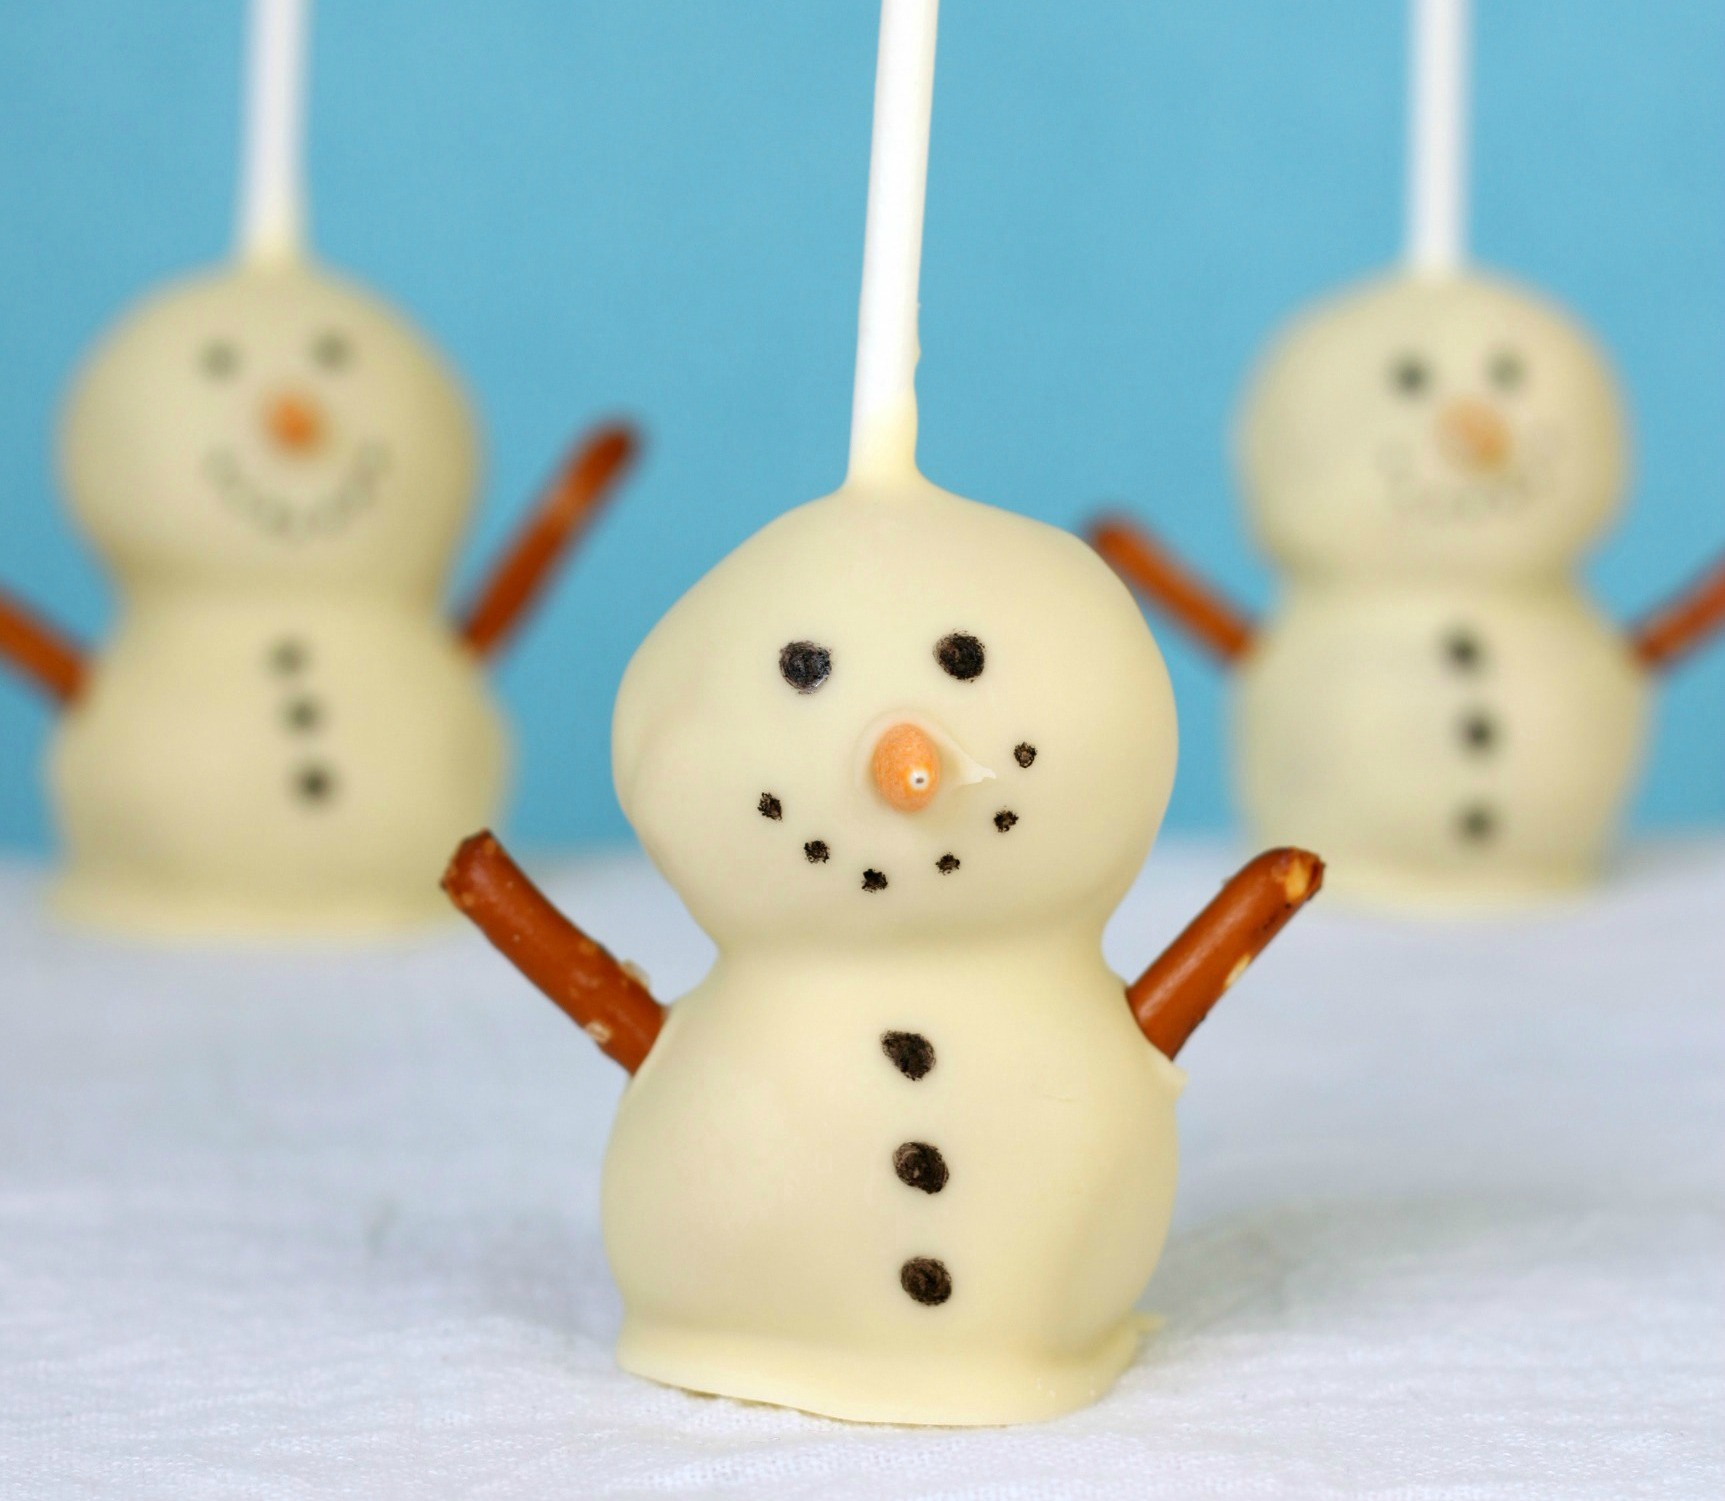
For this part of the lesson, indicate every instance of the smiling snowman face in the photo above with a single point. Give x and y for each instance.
(897, 713)
(270, 424)
(1454, 427)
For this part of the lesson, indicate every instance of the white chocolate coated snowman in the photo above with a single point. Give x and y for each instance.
(907, 1153)
(904, 1155)
(284, 731)
(1435, 702)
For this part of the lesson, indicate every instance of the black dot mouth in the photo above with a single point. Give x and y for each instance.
(818, 852)
(299, 521)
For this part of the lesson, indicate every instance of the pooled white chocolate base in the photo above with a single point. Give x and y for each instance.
(986, 1390)
(766, 1203)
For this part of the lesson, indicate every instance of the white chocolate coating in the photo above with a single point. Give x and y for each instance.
(1436, 706)
(753, 1213)
(283, 735)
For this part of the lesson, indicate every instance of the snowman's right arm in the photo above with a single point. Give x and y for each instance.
(601, 997)
(1191, 602)
(1678, 627)
(535, 554)
(1176, 993)
(39, 652)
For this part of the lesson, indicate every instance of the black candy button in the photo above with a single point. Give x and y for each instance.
(926, 1280)
(303, 715)
(911, 1053)
(314, 784)
(1478, 731)
(1476, 824)
(919, 1165)
(288, 656)
(1462, 650)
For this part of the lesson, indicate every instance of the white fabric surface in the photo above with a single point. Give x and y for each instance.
(1451, 1224)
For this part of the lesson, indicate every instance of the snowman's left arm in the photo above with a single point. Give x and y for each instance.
(517, 579)
(579, 977)
(1176, 993)
(1678, 627)
(39, 652)
(1194, 604)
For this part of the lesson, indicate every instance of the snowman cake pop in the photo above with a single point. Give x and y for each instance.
(1435, 703)
(907, 1153)
(284, 733)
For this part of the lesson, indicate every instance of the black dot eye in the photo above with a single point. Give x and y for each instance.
(960, 656)
(1411, 375)
(1507, 371)
(332, 350)
(219, 359)
(805, 666)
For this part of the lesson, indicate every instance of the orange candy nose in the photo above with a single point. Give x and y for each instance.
(294, 423)
(1473, 435)
(906, 768)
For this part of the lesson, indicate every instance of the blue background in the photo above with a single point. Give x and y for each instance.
(656, 207)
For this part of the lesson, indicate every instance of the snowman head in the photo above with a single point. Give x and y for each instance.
(896, 714)
(269, 424)
(1433, 426)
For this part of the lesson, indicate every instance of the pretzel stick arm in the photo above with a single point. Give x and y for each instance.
(601, 997)
(39, 652)
(1176, 993)
(1671, 632)
(531, 560)
(1188, 600)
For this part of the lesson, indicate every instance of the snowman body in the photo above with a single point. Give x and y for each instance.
(1436, 705)
(904, 1155)
(260, 763)
(1440, 743)
(804, 1109)
(283, 734)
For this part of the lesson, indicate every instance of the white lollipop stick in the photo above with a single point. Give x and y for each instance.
(1437, 136)
(883, 413)
(272, 185)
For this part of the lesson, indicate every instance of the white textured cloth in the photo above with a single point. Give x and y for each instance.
(1451, 1224)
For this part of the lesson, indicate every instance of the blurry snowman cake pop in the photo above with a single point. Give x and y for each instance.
(1435, 703)
(907, 1153)
(285, 733)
